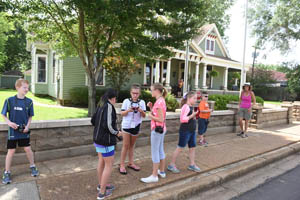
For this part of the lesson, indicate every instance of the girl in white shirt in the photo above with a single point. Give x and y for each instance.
(133, 110)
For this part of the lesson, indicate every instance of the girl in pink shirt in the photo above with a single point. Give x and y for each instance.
(158, 131)
(187, 132)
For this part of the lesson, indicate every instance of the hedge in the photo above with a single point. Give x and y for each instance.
(222, 100)
(79, 96)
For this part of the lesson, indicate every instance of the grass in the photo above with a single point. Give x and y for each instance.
(46, 112)
(273, 102)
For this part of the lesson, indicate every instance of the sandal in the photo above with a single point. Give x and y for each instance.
(134, 167)
(124, 172)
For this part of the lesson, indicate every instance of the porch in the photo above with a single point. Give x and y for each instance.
(169, 72)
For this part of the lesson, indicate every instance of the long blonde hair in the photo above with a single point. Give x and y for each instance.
(186, 97)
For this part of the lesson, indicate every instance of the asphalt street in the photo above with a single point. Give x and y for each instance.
(284, 187)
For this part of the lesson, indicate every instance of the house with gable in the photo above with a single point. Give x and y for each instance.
(55, 77)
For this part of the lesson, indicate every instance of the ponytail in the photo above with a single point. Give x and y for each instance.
(159, 87)
(109, 94)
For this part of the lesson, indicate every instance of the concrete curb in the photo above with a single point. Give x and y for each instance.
(221, 175)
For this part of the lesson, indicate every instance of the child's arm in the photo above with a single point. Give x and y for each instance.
(28, 125)
(9, 123)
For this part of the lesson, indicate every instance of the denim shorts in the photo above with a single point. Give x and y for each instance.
(202, 126)
(245, 114)
(187, 137)
(106, 151)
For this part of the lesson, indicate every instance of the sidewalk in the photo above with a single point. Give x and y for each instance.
(75, 178)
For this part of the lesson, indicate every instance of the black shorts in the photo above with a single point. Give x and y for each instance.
(133, 131)
(12, 144)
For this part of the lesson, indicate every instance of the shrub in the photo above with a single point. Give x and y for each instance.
(259, 100)
(147, 96)
(172, 103)
(222, 100)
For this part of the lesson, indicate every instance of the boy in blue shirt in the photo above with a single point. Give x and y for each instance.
(20, 110)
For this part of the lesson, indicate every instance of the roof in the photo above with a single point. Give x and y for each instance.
(202, 32)
(278, 76)
(13, 73)
(222, 57)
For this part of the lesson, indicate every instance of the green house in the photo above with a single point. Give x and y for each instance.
(53, 76)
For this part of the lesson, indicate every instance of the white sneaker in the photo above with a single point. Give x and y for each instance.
(162, 174)
(150, 179)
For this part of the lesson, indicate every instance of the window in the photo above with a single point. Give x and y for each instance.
(41, 69)
(53, 69)
(148, 72)
(210, 46)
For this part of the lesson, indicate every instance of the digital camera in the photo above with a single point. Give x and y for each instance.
(135, 109)
(159, 129)
(21, 128)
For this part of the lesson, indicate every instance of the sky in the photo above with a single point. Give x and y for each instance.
(235, 43)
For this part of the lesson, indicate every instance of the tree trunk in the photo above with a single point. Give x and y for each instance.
(92, 96)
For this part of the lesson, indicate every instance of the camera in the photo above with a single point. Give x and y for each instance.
(21, 128)
(159, 129)
(135, 109)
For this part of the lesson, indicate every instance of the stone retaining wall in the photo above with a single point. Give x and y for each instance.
(296, 111)
(54, 139)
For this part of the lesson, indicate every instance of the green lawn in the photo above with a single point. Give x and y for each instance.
(273, 102)
(43, 112)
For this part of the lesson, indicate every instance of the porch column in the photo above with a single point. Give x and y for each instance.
(225, 78)
(204, 86)
(157, 66)
(168, 73)
(145, 75)
(245, 76)
(197, 76)
(152, 68)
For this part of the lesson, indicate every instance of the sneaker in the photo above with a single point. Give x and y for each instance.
(201, 142)
(103, 196)
(161, 174)
(150, 179)
(108, 187)
(244, 135)
(240, 134)
(34, 171)
(194, 168)
(173, 169)
(6, 178)
(205, 143)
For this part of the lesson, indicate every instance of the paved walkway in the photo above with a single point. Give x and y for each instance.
(75, 178)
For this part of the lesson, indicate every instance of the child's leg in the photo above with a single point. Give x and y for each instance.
(201, 128)
(125, 148)
(131, 148)
(192, 156)
(29, 155)
(100, 167)
(9, 157)
(162, 155)
(175, 154)
(246, 125)
(108, 163)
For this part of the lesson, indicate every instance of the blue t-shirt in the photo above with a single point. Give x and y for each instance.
(19, 112)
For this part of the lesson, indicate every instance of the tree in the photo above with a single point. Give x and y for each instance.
(5, 27)
(94, 29)
(293, 76)
(276, 21)
(18, 58)
(119, 70)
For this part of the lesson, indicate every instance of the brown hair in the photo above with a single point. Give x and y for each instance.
(160, 88)
(135, 86)
(186, 97)
(250, 87)
(20, 81)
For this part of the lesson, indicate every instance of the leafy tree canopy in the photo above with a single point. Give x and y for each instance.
(94, 30)
(5, 27)
(276, 21)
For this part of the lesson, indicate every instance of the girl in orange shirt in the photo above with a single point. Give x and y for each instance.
(204, 114)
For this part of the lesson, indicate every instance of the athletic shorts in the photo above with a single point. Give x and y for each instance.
(12, 144)
(106, 151)
(244, 113)
(133, 131)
